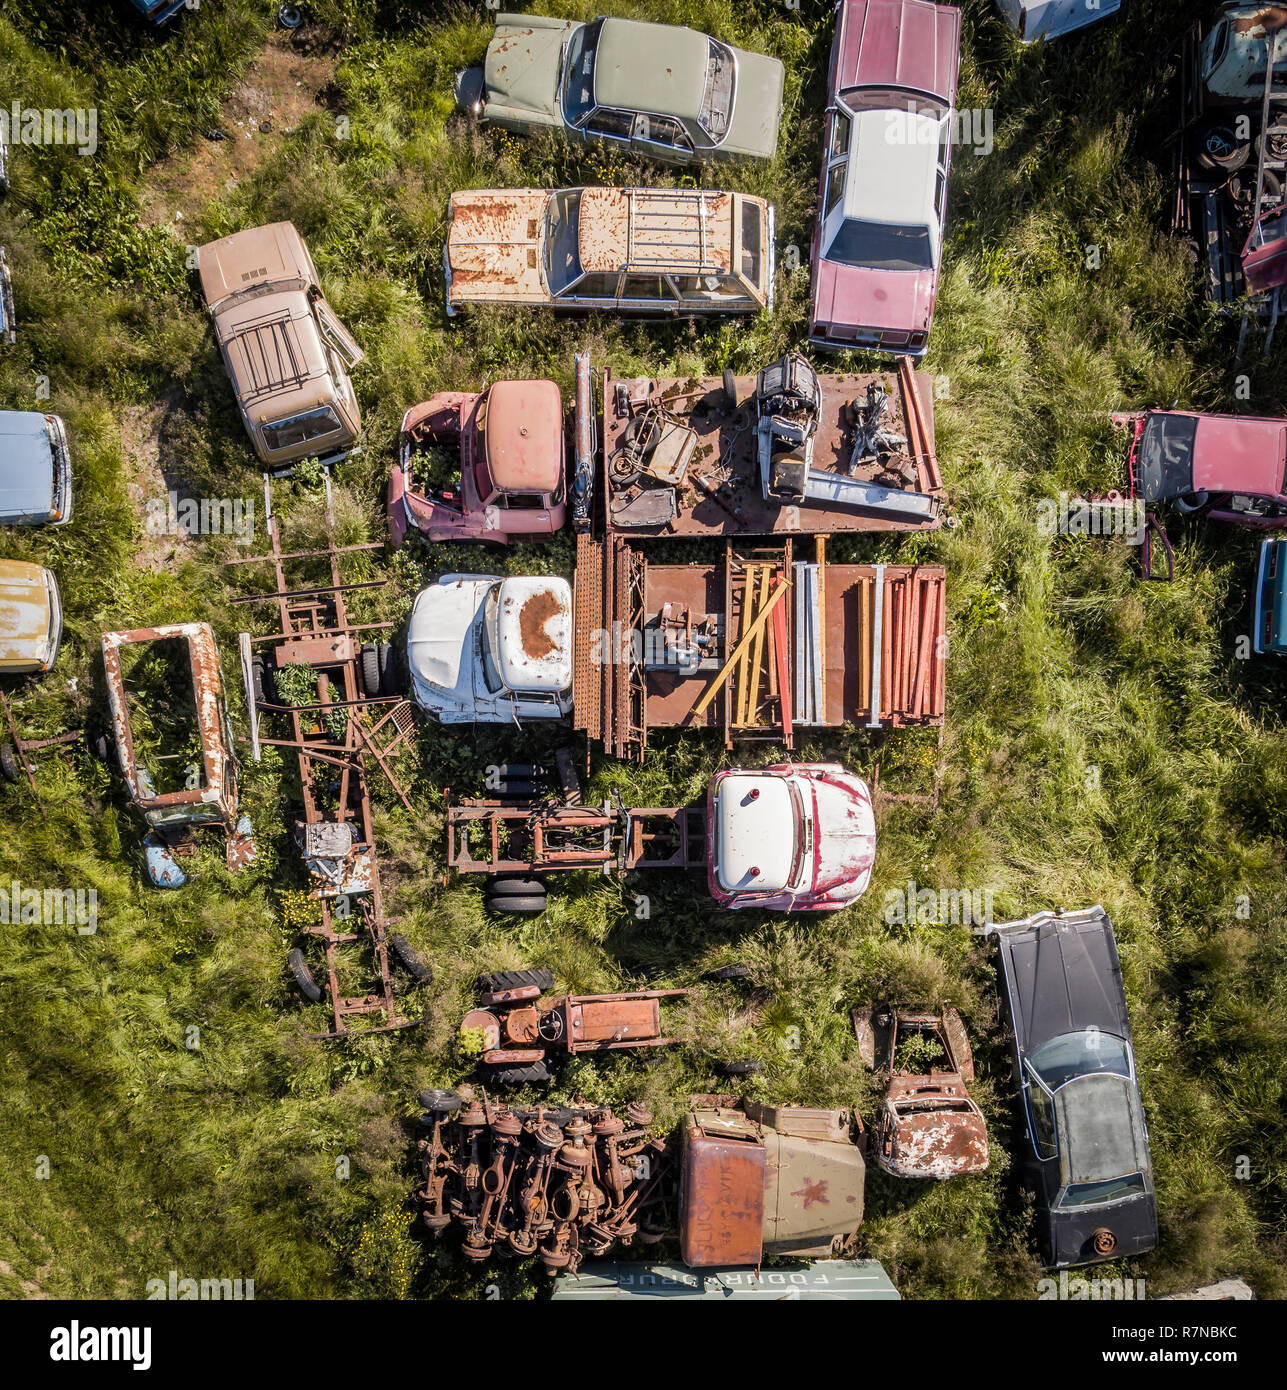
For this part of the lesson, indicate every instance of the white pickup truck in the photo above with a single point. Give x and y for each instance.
(486, 650)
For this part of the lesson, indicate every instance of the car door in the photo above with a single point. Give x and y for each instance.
(662, 138)
(835, 165)
(336, 335)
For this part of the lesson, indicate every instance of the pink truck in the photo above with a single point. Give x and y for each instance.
(882, 195)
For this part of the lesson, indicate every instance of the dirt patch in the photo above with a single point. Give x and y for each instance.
(150, 482)
(280, 88)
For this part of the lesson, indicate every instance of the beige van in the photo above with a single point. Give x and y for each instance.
(287, 354)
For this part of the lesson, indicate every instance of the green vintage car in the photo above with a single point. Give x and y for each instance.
(658, 89)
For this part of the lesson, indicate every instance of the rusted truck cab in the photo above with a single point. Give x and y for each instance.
(929, 1126)
(792, 837)
(287, 354)
(759, 1180)
(175, 748)
(509, 441)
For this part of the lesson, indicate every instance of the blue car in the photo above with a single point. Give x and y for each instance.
(160, 11)
(35, 470)
(1269, 625)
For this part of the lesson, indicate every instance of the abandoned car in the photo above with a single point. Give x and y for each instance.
(1050, 19)
(8, 319)
(1269, 618)
(524, 1035)
(161, 11)
(741, 1181)
(929, 1126)
(791, 837)
(654, 89)
(507, 445)
(1225, 467)
(174, 743)
(31, 618)
(655, 252)
(287, 354)
(35, 470)
(486, 650)
(1085, 1151)
(882, 196)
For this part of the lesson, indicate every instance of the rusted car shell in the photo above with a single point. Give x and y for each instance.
(218, 783)
(930, 1128)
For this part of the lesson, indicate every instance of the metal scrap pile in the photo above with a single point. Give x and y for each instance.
(562, 1183)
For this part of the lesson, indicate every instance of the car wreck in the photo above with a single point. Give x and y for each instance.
(740, 1182)
(1269, 604)
(35, 470)
(174, 743)
(286, 352)
(31, 618)
(929, 1126)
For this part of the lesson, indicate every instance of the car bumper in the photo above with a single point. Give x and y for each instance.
(1069, 1237)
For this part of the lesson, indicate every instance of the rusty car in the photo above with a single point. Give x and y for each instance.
(658, 90)
(506, 445)
(929, 1126)
(524, 1034)
(1085, 1150)
(483, 649)
(31, 618)
(174, 743)
(287, 354)
(882, 194)
(741, 1181)
(652, 252)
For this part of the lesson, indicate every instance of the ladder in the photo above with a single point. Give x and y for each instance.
(1267, 306)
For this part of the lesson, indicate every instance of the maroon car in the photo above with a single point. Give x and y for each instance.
(1226, 467)
(882, 197)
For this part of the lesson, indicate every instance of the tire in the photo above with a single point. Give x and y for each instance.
(728, 972)
(518, 772)
(410, 958)
(387, 660)
(730, 388)
(261, 679)
(9, 764)
(744, 1068)
(1190, 503)
(641, 436)
(441, 1102)
(515, 888)
(527, 791)
(516, 979)
(308, 986)
(371, 669)
(534, 903)
(1219, 148)
(516, 1074)
(97, 744)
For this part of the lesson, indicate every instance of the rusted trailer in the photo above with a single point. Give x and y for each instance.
(332, 736)
(763, 643)
(684, 456)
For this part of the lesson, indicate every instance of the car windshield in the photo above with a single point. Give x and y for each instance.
(881, 246)
(578, 74)
(562, 253)
(803, 840)
(491, 639)
(1165, 461)
(1079, 1054)
(717, 100)
(1093, 1194)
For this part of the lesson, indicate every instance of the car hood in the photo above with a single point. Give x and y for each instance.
(845, 834)
(26, 464)
(441, 638)
(24, 613)
(522, 71)
(1064, 977)
(757, 106)
(859, 297)
(493, 244)
(1239, 455)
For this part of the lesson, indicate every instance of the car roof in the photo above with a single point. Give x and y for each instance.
(24, 611)
(650, 67)
(1101, 1134)
(893, 167)
(26, 472)
(666, 230)
(1239, 453)
(899, 43)
(524, 435)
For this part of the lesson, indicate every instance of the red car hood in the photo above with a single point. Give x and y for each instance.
(857, 297)
(1237, 454)
(846, 831)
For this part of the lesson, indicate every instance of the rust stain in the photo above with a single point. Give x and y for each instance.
(532, 619)
(812, 1194)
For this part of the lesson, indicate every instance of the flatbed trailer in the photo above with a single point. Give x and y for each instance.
(652, 644)
(721, 494)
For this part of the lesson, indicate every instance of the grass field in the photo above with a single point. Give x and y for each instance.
(1107, 741)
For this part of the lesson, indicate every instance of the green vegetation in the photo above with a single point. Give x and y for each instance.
(1106, 739)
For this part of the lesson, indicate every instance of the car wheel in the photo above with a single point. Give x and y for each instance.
(410, 957)
(1219, 148)
(730, 388)
(515, 888)
(371, 669)
(441, 1102)
(747, 1067)
(515, 1074)
(516, 979)
(9, 764)
(728, 972)
(534, 903)
(308, 986)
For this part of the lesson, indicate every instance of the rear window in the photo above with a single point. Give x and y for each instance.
(1093, 1194)
(299, 429)
(1164, 467)
(717, 100)
(880, 246)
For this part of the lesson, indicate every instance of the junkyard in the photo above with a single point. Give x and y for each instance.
(559, 740)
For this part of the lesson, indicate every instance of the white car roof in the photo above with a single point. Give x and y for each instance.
(893, 166)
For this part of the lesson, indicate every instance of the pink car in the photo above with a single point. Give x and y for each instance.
(510, 443)
(882, 197)
(1226, 467)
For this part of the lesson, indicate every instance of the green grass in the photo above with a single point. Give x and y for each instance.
(1107, 740)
